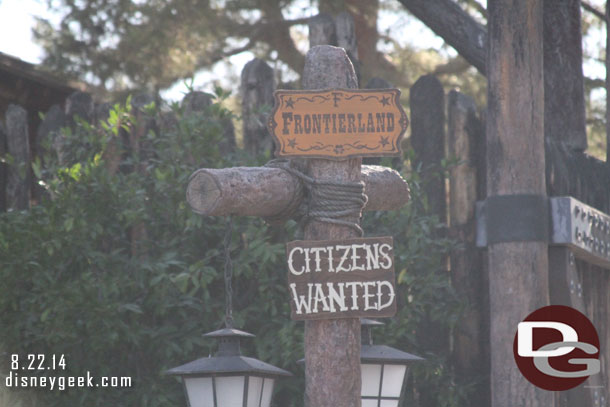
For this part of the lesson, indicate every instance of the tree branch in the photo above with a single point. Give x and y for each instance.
(593, 10)
(455, 26)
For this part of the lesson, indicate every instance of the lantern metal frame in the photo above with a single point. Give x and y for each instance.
(383, 355)
(228, 362)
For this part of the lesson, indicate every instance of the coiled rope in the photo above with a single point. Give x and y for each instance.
(324, 201)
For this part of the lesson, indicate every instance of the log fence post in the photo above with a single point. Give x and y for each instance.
(257, 86)
(18, 146)
(518, 271)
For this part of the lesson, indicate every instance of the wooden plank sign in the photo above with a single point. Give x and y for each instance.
(349, 278)
(337, 123)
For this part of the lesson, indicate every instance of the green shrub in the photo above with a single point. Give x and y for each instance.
(74, 283)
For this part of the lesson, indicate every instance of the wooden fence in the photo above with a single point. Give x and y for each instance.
(443, 126)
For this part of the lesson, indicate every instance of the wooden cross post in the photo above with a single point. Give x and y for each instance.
(332, 346)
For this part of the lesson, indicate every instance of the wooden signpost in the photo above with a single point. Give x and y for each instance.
(332, 346)
(338, 123)
(341, 279)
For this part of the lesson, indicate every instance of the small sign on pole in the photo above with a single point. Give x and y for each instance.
(347, 278)
(338, 123)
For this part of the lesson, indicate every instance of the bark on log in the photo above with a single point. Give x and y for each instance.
(332, 347)
(257, 86)
(518, 271)
(467, 274)
(607, 84)
(322, 30)
(3, 169)
(564, 97)
(428, 139)
(18, 146)
(264, 192)
(346, 38)
(379, 83)
(49, 129)
(455, 26)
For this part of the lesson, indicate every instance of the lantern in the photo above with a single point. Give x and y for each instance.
(228, 379)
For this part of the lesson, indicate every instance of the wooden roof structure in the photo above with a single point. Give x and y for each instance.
(29, 86)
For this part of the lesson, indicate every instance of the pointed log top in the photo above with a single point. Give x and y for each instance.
(328, 67)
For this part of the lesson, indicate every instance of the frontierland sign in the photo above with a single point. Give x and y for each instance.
(341, 279)
(337, 123)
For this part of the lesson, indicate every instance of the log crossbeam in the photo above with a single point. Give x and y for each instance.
(266, 191)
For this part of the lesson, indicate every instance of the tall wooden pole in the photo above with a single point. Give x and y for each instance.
(332, 347)
(607, 84)
(564, 92)
(518, 271)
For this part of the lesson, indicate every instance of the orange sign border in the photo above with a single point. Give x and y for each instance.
(339, 152)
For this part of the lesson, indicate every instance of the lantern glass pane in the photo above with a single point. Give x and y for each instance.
(255, 387)
(370, 380)
(230, 391)
(199, 390)
(267, 392)
(389, 403)
(393, 376)
(369, 403)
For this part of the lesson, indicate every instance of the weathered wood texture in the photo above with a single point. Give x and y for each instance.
(447, 19)
(346, 38)
(264, 191)
(328, 268)
(257, 86)
(573, 282)
(332, 347)
(576, 174)
(427, 100)
(379, 83)
(518, 271)
(3, 168)
(566, 287)
(607, 85)
(564, 98)
(465, 135)
(322, 30)
(596, 303)
(49, 129)
(346, 34)
(18, 146)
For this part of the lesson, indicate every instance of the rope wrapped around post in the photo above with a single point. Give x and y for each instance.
(325, 201)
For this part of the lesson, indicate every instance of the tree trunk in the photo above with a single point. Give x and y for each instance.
(518, 271)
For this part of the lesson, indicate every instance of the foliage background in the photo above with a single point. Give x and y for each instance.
(73, 283)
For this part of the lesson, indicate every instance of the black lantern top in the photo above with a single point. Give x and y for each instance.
(228, 359)
(370, 353)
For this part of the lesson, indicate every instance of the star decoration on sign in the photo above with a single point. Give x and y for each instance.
(290, 103)
(292, 142)
(385, 101)
(384, 141)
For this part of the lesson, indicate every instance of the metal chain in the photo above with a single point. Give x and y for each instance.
(228, 274)
(326, 201)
